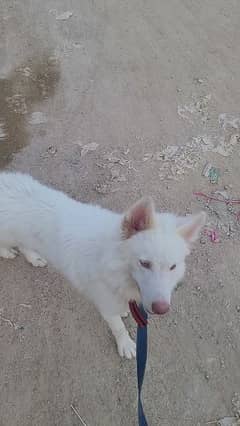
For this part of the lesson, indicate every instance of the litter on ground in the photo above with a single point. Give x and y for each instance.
(223, 212)
(64, 16)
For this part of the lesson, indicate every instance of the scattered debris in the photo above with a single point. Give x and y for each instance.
(25, 305)
(104, 188)
(220, 145)
(52, 150)
(114, 163)
(224, 198)
(64, 16)
(26, 71)
(228, 120)
(11, 323)
(213, 235)
(223, 212)
(116, 176)
(177, 159)
(88, 148)
(2, 131)
(205, 171)
(53, 11)
(206, 375)
(211, 172)
(37, 117)
(115, 159)
(222, 363)
(214, 175)
(225, 147)
(198, 107)
(118, 158)
(17, 103)
(198, 80)
(8, 321)
(222, 142)
(148, 156)
(236, 405)
(19, 327)
(77, 45)
(115, 173)
(78, 415)
(227, 421)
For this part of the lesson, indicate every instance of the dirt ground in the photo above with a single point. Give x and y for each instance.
(107, 101)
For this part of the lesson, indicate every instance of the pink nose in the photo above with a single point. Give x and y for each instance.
(160, 308)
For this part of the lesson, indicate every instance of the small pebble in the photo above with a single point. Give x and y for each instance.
(199, 80)
(206, 376)
(52, 150)
(64, 16)
(238, 308)
(19, 327)
(222, 363)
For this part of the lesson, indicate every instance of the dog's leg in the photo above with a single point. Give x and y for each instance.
(8, 253)
(126, 346)
(34, 258)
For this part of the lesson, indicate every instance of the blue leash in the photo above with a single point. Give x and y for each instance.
(141, 364)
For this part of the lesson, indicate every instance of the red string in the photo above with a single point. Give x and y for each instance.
(227, 202)
(210, 198)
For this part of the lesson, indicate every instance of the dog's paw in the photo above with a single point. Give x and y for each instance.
(34, 258)
(8, 253)
(38, 261)
(126, 347)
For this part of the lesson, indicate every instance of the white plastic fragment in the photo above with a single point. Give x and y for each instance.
(88, 148)
(64, 16)
(227, 120)
(2, 131)
(228, 421)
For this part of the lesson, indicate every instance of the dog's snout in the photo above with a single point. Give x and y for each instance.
(160, 307)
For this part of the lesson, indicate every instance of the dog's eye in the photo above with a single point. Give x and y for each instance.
(172, 267)
(145, 264)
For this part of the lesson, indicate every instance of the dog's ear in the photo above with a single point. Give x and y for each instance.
(189, 227)
(139, 217)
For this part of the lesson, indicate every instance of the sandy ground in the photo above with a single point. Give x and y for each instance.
(152, 89)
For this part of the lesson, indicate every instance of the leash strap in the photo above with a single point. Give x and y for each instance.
(141, 364)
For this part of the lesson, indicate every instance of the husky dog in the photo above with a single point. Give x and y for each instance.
(111, 258)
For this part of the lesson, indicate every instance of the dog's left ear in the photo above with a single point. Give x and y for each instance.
(189, 227)
(140, 217)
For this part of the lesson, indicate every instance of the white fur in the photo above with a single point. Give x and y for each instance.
(85, 243)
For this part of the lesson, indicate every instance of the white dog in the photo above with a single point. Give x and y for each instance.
(111, 258)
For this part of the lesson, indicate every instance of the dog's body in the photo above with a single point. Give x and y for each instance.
(109, 257)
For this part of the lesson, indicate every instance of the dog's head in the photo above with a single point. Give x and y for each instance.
(156, 246)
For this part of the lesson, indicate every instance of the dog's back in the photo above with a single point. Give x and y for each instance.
(36, 217)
